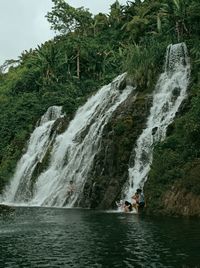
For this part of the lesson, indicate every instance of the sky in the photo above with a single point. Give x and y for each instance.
(23, 24)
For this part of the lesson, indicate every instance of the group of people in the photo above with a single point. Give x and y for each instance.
(138, 202)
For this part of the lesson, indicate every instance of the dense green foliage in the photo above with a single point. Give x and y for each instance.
(176, 160)
(90, 51)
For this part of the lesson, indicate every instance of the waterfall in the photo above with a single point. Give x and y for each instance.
(74, 150)
(72, 153)
(169, 93)
(20, 187)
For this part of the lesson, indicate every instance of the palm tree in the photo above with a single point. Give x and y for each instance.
(142, 17)
(45, 59)
(175, 12)
(100, 22)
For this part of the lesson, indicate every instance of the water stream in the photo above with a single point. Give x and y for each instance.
(170, 91)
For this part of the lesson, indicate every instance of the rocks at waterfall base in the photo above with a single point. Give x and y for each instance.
(179, 201)
(176, 201)
(6, 210)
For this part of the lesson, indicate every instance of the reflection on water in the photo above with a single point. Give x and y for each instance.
(41, 237)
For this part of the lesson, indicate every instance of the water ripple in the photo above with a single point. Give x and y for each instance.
(38, 237)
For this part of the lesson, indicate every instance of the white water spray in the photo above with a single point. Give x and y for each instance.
(20, 187)
(74, 150)
(169, 93)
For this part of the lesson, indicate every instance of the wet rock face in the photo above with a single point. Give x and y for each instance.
(110, 167)
(60, 125)
(172, 200)
(178, 201)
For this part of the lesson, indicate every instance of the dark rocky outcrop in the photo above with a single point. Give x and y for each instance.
(175, 196)
(60, 125)
(6, 210)
(110, 169)
(177, 201)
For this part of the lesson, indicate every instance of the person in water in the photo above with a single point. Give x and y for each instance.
(120, 204)
(135, 201)
(71, 188)
(141, 200)
(127, 206)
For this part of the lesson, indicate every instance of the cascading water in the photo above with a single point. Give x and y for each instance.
(74, 150)
(40, 140)
(169, 93)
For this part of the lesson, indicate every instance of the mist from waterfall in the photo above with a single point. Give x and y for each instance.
(72, 154)
(169, 93)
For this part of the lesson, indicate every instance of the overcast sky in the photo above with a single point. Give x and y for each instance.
(23, 24)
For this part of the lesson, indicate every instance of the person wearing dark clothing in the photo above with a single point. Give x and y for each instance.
(127, 206)
(141, 200)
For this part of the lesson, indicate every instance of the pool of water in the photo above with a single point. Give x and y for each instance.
(49, 237)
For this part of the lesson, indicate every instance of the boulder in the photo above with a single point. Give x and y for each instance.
(4, 209)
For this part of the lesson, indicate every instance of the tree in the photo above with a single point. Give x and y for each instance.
(174, 14)
(100, 22)
(8, 64)
(142, 17)
(65, 18)
(75, 21)
(116, 14)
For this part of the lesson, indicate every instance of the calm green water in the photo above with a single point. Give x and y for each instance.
(41, 237)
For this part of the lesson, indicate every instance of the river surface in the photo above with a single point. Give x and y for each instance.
(77, 238)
